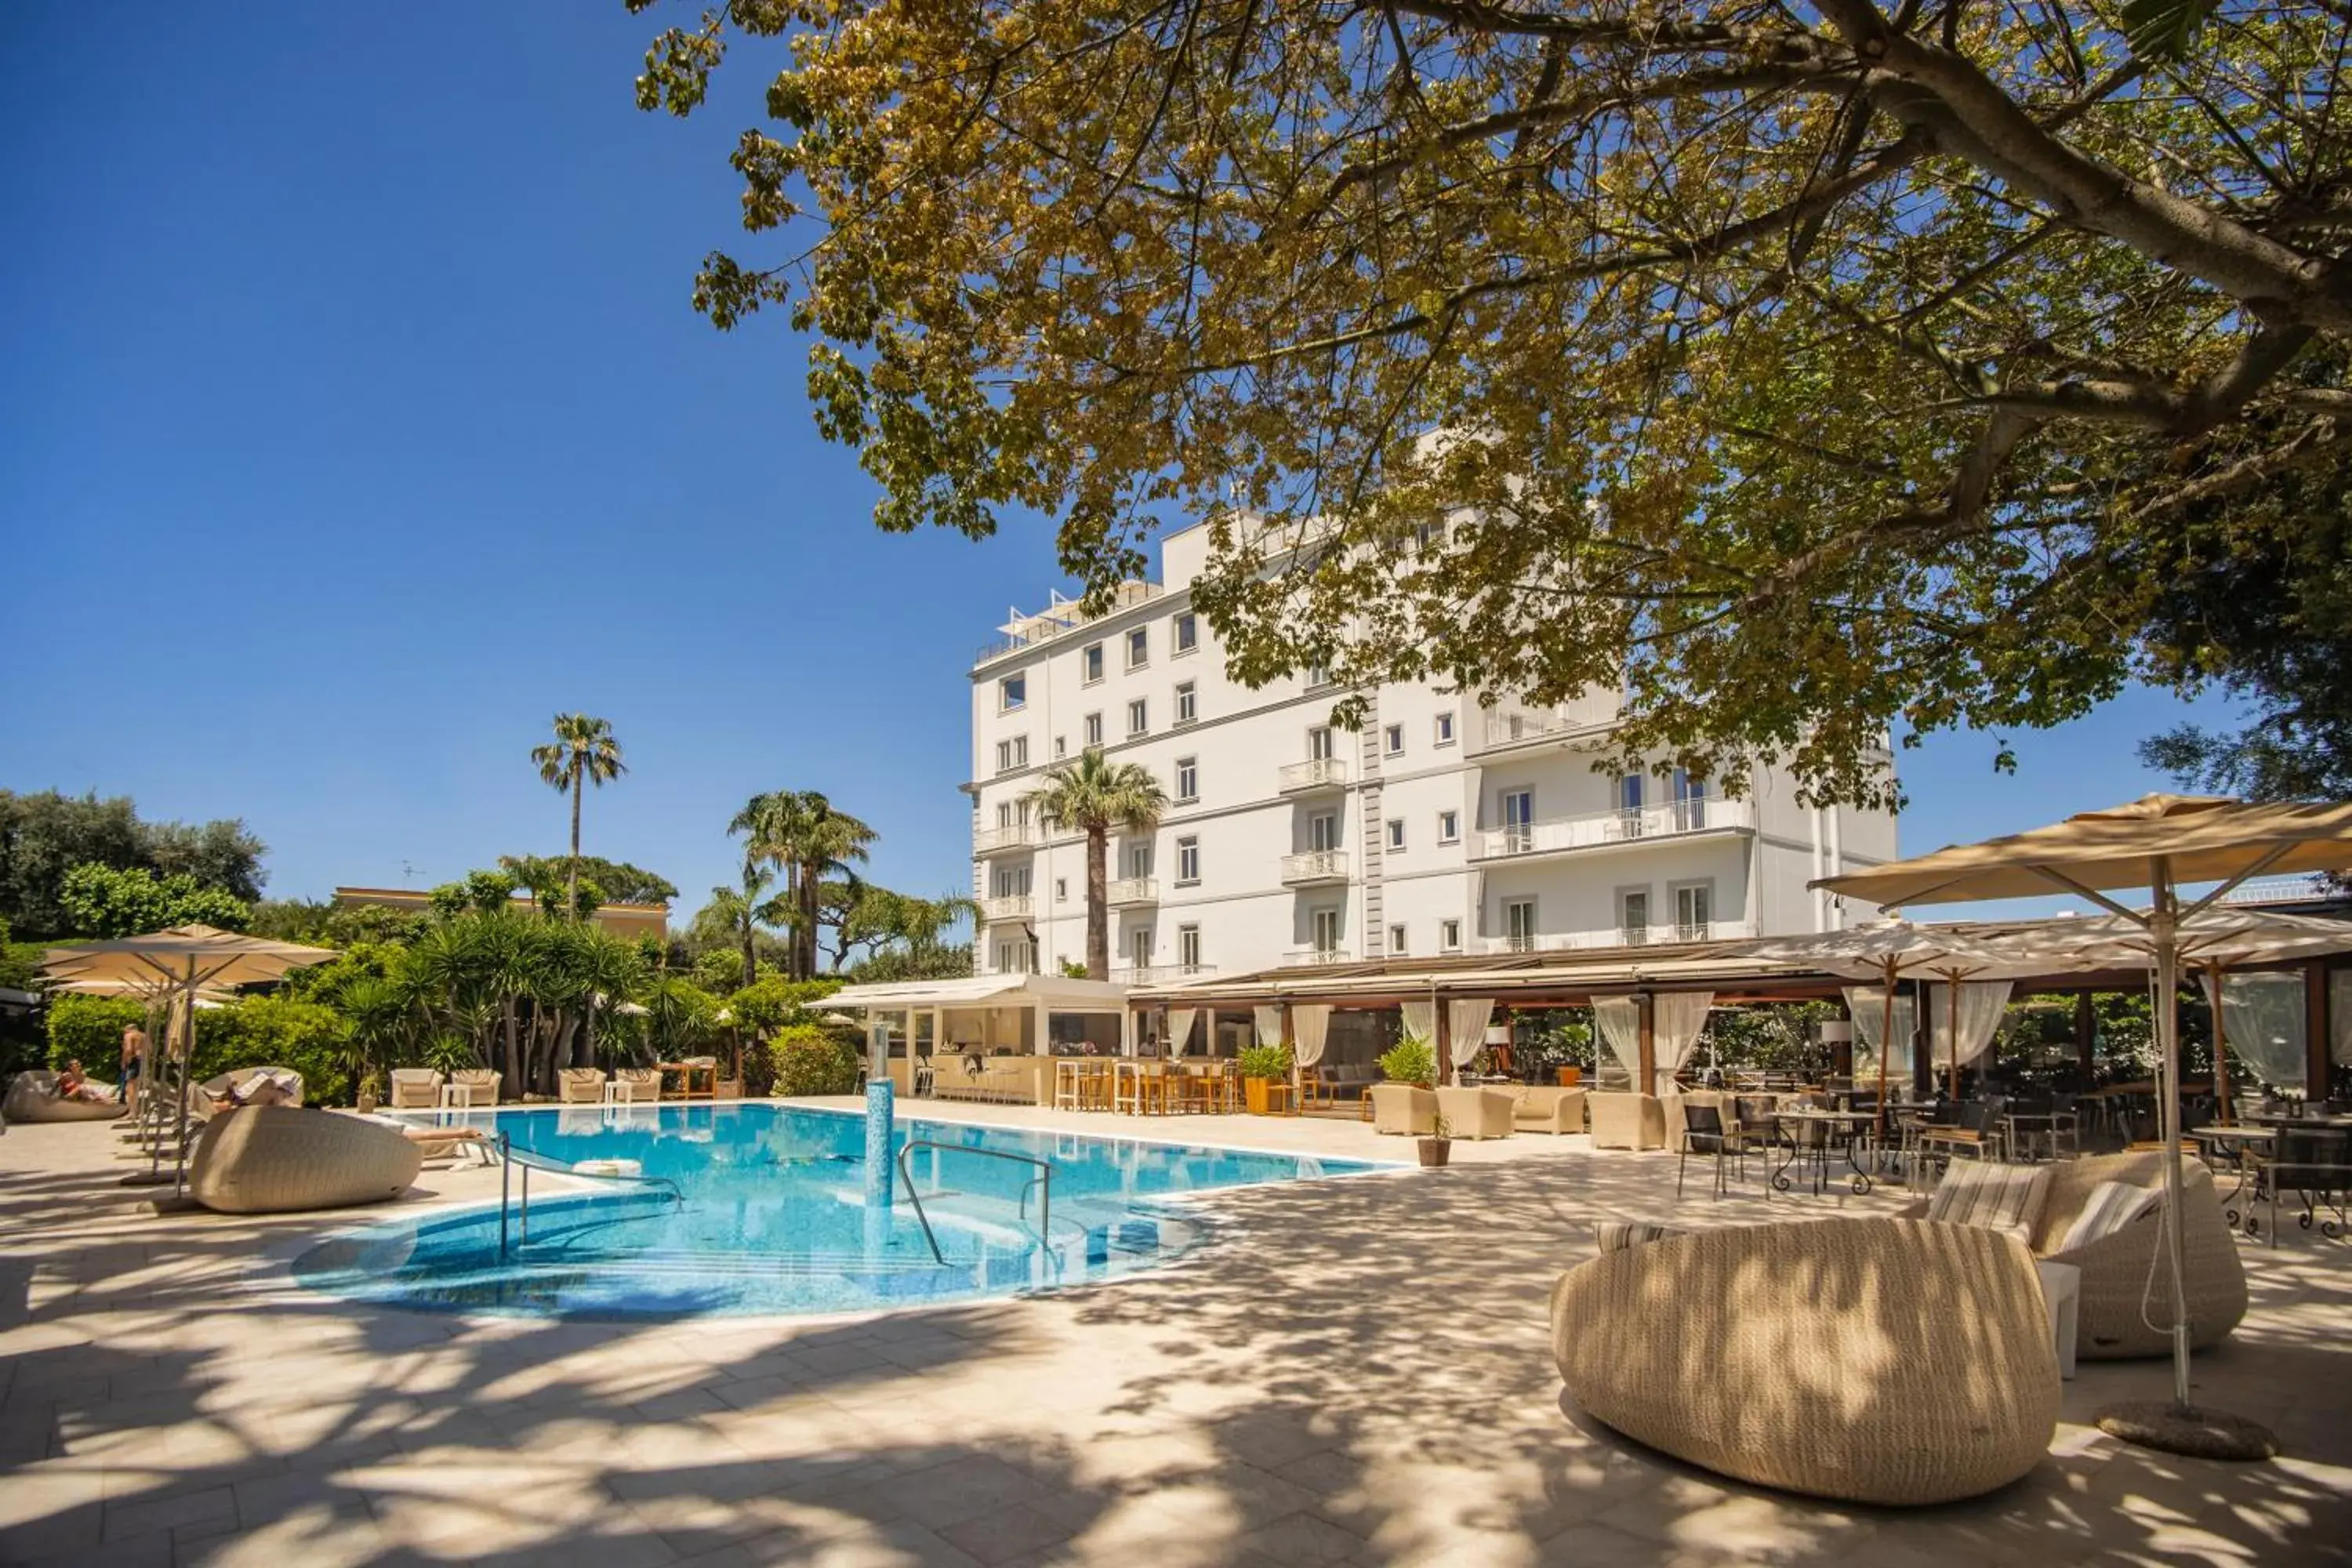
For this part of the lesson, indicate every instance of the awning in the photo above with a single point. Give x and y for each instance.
(1057, 993)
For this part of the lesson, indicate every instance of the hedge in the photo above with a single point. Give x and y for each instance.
(259, 1031)
(812, 1059)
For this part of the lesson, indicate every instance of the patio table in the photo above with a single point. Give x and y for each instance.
(2230, 1143)
(686, 1071)
(1845, 1128)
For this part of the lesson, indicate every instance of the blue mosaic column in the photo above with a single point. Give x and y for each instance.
(880, 1183)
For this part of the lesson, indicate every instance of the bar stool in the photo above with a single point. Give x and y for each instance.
(1069, 1086)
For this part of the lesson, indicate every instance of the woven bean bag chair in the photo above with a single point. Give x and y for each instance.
(1876, 1360)
(33, 1097)
(272, 1159)
(2114, 1324)
(214, 1092)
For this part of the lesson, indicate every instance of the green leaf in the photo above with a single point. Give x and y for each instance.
(2163, 29)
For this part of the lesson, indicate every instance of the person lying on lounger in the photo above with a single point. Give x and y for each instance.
(75, 1084)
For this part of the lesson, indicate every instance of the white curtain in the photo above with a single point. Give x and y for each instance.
(1421, 1020)
(1868, 1005)
(1619, 1021)
(1981, 1004)
(1308, 1025)
(2263, 1024)
(1676, 1018)
(1466, 1017)
(1180, 1029)
(1270, 1026)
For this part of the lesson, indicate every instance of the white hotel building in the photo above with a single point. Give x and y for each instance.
(1442, 828)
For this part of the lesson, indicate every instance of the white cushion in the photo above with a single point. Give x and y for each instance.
(1617, 1234)
(2111, 1207)
(1998, 1198)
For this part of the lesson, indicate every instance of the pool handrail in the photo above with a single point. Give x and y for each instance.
(1045, 1179)
(510, 1158)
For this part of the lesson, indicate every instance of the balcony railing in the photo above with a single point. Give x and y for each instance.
(1008, 907)
(1699, 814)
(1316, 773)
(1063, 617)
(1620, 936)
(1315, 865)
(1129, 891)
(1309, 957)
(2278, 890)
(1000, 840)
(1161, 974)
(1505, 726)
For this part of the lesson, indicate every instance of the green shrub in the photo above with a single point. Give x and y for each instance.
(1409, 1060)
(811, 1060)
(89, 1029)
(1264, 1061)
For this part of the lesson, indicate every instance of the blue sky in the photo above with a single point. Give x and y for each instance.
(353, 420)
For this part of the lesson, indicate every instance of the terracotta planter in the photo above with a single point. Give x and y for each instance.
(1569, 1076)
(1254, 1096)
(1434, 1151)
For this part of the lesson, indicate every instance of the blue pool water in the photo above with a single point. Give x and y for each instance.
(764, 1208)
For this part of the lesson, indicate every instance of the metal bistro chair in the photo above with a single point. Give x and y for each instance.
(1978, 1132)
(2315, 1162)
(1704, 1133)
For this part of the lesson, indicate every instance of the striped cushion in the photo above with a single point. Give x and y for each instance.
(1998, 1198)
(1617, 1234)
(2111, 1207)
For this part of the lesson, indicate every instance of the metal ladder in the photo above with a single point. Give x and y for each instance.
(1042, 1183)
(511, 1159)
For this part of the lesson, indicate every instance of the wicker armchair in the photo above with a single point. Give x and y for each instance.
(1547, 1108)
(413, 1088)
(272, 1159)
(1402, 1108)
(1624, 1120)
(1857, 1387)
(580, 1086)
(481, 1082)
(1475, 1112)
(639, 1084)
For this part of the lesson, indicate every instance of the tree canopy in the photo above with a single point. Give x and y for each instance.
(1803, 372)
(45, 836)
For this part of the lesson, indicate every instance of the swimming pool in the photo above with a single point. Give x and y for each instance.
(751, 1207)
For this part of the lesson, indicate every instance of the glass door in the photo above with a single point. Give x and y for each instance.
(1327, 931)
(1633, 919)
(1690, 803)
(1519, 821)
(1519, 923)
(1693, 914)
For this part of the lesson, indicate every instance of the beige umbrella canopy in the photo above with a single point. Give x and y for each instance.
(2158, 842)
(1889, 951)
(185, 963)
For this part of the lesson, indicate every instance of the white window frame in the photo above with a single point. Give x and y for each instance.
(1188, 860)
(1090, 664)
(1643, 891)
(1529, 930)
(1091, 730)
(1393, 741)
(1321, 736)
(1705, 886)
(1188, 789)
(1449, 827)
(1332, 917)
(1061, 747)
(1003, 814)
(1396, 942)
(1396, 835)
(1061, 890)
(1443, 731)
(1138, 718)
(1449, 936)
(1012, 754)
(1006, 703)
(1139, 858)
(1188, 703)
(1141, 942)
(1139, 648)
(1188, 947)
(1184, 637)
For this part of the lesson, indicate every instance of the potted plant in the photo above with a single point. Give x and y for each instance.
(1412, 1060)
(1262, 1066)
(1437, 1145)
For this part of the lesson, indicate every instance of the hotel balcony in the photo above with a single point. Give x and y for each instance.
(1315, 867)
(1506, 727)
(1159, 974)
(1010, 907)
(1129, 892)
(1310, 957)
(1021, 835)
(1620, 936)
(1613, 829)
(1310, 776)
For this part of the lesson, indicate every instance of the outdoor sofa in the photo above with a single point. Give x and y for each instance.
(33, 1097)
(1333, 1082)
(1915, 1365)
(1622, 1119)
(280, 1159)
(1544, 1107)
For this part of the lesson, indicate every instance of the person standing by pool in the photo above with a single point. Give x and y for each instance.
(134, 1053)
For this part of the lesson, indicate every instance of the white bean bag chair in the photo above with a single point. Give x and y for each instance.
(276, 1158)
(34, 1097)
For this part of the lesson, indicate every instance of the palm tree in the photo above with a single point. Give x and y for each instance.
(1093, 796)
(582, 753)
(800, 832)
(740, 913)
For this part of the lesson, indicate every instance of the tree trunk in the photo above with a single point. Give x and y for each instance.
(588, 1038)
(571, 871)
(750, 955)
(805, 939)
(1097, 904)
(510, 1068)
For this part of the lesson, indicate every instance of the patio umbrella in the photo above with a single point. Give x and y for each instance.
(187, 962)
(2215, 939)
(1888, 950)
(2158, 842)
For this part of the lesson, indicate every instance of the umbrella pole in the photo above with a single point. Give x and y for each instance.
(2214, 978)
(1885, 1044)
(1952, 1032)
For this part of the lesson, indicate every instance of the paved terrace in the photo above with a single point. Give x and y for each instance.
(1353, 1372)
